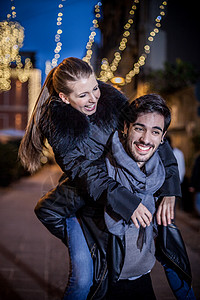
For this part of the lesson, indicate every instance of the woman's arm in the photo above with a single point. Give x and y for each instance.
(91, 177)
(66, 199)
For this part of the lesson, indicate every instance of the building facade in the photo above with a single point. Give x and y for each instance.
(17, 103)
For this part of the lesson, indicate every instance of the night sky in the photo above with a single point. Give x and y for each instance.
(38, 17)
(183, 32)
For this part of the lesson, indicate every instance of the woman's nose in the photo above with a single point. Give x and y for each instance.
(92, 97)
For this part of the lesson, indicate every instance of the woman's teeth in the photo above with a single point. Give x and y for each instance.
(90, 107)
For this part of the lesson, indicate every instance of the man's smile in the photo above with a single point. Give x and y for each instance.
(142, 147)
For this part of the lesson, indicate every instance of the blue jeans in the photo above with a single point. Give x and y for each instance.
(81, 264)
(81, 268)
(179, 286)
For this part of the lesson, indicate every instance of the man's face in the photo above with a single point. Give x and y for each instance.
(144, 136)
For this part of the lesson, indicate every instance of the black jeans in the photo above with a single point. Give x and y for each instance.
(139, 289)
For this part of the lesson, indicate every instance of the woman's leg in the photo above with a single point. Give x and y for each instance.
(179, 287)
(81, 264)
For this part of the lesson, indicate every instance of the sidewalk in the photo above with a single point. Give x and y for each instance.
(34, 264)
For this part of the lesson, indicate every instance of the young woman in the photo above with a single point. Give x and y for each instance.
(76, 114)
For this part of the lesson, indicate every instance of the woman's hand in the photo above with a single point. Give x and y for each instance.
(141, 215)
(165, 212)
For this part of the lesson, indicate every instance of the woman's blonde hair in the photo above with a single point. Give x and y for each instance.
(69, 70)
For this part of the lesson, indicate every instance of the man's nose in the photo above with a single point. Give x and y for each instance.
(145, 137)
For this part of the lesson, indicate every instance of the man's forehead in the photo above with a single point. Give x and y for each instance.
(151, 119)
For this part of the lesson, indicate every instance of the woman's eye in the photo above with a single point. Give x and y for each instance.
(96, 88)
(82, 95)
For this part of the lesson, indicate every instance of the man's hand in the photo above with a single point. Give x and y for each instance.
(165, 212)
(143, 215)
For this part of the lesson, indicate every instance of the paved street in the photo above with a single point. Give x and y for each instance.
(34, 264)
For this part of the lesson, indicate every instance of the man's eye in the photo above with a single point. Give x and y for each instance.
(156, 132)
(138, 129)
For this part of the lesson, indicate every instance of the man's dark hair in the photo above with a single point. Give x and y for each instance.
(147, 104)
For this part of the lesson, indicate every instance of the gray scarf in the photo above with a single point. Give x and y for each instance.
(125, 170)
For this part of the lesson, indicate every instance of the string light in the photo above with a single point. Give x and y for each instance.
(11, 40)
(147, 47)
(108, 70)
(89, 52)
(54, 62)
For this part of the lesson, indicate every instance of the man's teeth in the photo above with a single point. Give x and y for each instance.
(144, 148)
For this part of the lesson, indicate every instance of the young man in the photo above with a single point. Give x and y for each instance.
(135, 163)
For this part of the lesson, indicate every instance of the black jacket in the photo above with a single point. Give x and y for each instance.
(79, 143)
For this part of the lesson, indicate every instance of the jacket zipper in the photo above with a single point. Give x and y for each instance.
(93, 250)
(92, 297)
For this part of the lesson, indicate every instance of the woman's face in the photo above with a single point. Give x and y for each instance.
(85, 95)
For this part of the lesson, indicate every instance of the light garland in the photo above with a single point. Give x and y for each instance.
(23, 73)
(11, 40)
(13, 13)
(108, 70)
(147, 47)
(54, 62)
(89, 52)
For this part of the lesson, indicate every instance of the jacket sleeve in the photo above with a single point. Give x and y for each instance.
(66, 199)
(92, 178)
(171, 186)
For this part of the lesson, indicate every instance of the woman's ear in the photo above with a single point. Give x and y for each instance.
(64, 98)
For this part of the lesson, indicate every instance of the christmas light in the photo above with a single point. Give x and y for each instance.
(11, 40)
(58, 47)
(89, 52)
(147, 47)
(107, 70)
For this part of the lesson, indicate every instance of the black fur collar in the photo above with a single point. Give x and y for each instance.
(69, 127)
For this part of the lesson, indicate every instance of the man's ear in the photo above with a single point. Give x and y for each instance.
(125, 131)
(162, 140)
(64, 98)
